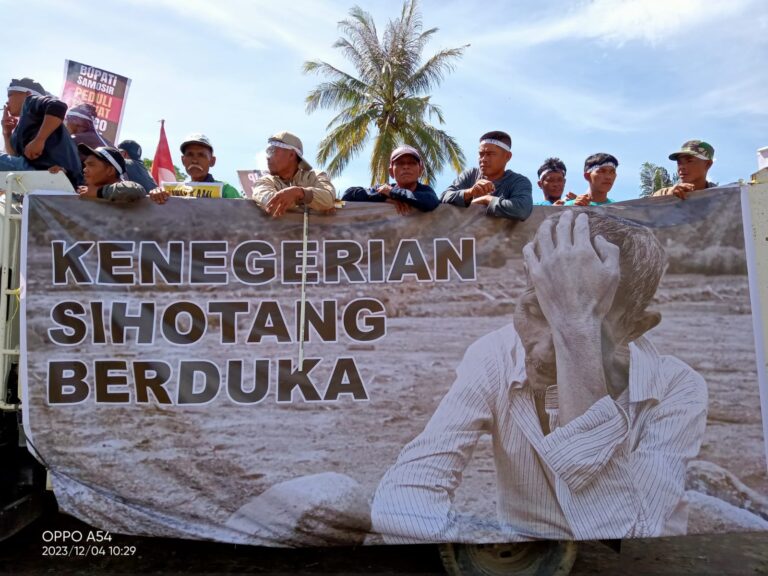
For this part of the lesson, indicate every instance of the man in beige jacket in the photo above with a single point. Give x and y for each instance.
(291, 181)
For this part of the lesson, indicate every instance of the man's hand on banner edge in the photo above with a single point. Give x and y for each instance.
(88, 191)
(159, 195)
(283, 200)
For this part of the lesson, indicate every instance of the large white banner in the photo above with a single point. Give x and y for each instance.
(585, 374)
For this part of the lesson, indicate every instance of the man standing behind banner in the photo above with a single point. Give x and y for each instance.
(80, 123)
(291, 181)
(694, 159)
(600, 174)
(406, 167)
(501, 191)
(103, 169)
(197, 158)
(592, 428)
(34, 132)
(135, 171)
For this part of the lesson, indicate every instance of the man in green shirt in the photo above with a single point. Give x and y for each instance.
(198, 159)
(600, 174)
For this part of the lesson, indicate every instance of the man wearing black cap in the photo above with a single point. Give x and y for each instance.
(291, 181)
(694, 159)
(33, 131)
(406, 167)
(135, 171)
(501, 191)
(198, 159)
(103, 169)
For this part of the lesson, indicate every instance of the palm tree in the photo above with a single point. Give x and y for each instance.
(653, 177)
(389, 95)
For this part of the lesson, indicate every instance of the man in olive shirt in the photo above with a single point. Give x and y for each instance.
(291, 181)
(694, 159)
(502, 192)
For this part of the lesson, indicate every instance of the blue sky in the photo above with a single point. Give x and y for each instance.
(635, 78)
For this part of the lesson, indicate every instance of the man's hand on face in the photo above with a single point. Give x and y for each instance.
(283, 200)
(483, 200)
(159, 196)
(681, 190)
(384, 190)
(9, 121)
(564, 255)
(88, 191)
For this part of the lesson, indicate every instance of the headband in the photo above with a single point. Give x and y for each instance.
(17, 88)
(498, 143)
(603, 165)
(280, 144)
(548, 170)
(79, 115)
(108, 157)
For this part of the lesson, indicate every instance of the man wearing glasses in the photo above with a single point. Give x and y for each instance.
(291, 181)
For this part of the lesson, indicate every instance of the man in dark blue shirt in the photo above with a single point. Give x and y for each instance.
(406, 167)
(34, 134)
(502, 192)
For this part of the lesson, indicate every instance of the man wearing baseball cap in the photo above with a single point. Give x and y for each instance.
(135, 171)
(103, 169)
(501, 191)
(34, 134)
(198, 159)
(291, 181)
(406, 167)
(694, 159)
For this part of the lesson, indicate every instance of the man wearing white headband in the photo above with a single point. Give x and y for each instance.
(103, 169)
(33, 132)
(291, 181)
(600, 174)
(552, 182)
(501, 191)
(80, 121)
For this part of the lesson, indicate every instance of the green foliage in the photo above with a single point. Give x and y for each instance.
(653, 178)
(388, 99)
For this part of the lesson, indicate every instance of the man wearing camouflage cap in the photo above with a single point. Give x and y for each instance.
(694, 160)
(291, 181)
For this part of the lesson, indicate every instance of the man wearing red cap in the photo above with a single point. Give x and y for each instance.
(406, 167)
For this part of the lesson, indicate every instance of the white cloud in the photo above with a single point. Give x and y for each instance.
(263, 23)
(621, 21)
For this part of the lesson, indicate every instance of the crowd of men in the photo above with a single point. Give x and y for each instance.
(41, 133)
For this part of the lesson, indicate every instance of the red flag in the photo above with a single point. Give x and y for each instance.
(162, 165)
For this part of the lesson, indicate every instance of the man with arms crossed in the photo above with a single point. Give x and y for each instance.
(591, 427)
(501, 191)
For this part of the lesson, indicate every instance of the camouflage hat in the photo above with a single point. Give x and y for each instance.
(696, 148)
